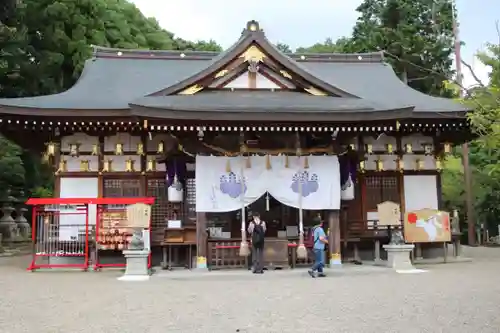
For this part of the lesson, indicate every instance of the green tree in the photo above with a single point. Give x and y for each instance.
(412, 33)
(328, 46)
(285, 48)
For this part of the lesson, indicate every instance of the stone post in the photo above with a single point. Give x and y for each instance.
(22, 224)
(8, 226)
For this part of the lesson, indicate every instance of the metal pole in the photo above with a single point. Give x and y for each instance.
(465, 146)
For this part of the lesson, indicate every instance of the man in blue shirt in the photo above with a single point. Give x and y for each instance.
(319, 241)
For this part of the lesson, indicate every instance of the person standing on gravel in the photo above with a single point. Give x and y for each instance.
(257, 231)
(319, 242)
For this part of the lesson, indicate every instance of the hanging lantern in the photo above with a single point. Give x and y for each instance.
(175, 191)
(439, 164)
(119, 149)
(107, 165)
(389, 148)
(85, 165)
(420, 164)
(161, 147)
(130, 165)
(51, 149)
(151, 165)
(362, 166)
(74, 149)
(400, 165)
(427, 149)
(63, 166)
(408, 148)
(140, 149)
(379, 165)
(347, 190)
(447, 148)
(95, 150)
(369, 149)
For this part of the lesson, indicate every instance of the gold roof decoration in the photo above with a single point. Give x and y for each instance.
(315, 91)
(253, 53)
(191, 90)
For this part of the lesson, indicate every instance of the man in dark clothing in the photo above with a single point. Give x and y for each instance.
(257, 230)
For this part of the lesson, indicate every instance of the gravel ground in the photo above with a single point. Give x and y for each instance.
(459, 297)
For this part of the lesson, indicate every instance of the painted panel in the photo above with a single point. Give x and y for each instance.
(129, 142)
(420, 192)
(73, 163)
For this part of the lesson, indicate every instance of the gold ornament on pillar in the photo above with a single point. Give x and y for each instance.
(107, 165)
(119, 149)
(63, 167)
(362, 166)
(161, 147)
(268, 162)
(389, 148)
(447, 148)
(140, 148)
(439, 164)
(419, 164)
(130, 165)
(427, 149)
(369, 148)
(51, 149)
(400, 165)
(151, 167)
(74, 149)
(85, 165)
(379, 164)
(408, 148)
(95, 150)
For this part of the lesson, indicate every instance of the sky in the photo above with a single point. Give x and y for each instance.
(304, 23)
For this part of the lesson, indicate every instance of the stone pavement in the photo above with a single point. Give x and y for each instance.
(459, 297)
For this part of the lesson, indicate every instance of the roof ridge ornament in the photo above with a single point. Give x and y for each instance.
(252, 26)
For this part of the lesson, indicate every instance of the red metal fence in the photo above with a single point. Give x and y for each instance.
(66, 235)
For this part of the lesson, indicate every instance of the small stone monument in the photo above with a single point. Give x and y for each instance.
(398, 253)
(137, 253)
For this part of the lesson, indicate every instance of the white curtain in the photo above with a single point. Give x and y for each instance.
(220, 191)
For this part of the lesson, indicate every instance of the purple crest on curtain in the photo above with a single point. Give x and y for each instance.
(174, 167)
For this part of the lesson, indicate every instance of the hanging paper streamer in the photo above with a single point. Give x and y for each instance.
(347, 189)
(347, 177)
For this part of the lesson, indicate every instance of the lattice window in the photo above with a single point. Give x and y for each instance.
(380, 189)
(191, 198)
(121, 188)
(160, 211)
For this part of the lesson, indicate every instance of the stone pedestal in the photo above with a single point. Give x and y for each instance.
(22, 224)
(137, 265)
(8, 226)
(398, 256)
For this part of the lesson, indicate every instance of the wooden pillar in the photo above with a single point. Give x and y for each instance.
(201, 240)
(334, 239)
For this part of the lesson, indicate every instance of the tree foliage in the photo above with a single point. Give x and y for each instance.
(416, 35)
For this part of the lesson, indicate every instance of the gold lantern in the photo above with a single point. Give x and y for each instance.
(107, 165)
(389, 148)
(74, 149)
(161, 147)
(119, 149)
(63, 166)
(427, 149)
(85, 165)
(362, 166)
(51, 149)
(439, 164)
(369, 148)
(420, 164)
(95, 150)
(140, 149)
(151, 165)
(352, 146)
(130, 165)
(408, 148)
(379, 165)
(400, 164)
(447, 148)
